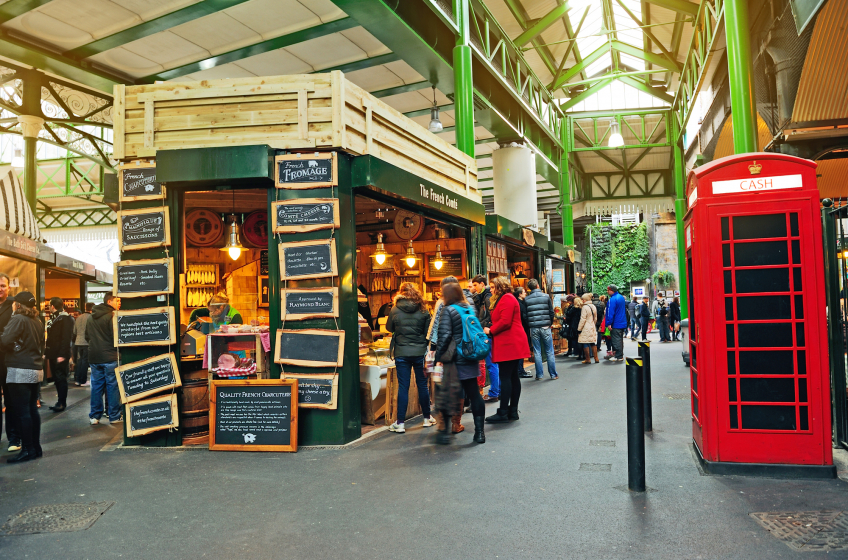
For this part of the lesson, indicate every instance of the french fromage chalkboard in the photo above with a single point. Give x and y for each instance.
(305, 171)
(145, 228)
(316, 391)
(159, 413)
(253, 415)
(143, 278)
(310, 347)
(308, 259)
(137, 380)
(305, 214)
(309, 303)
(137, 181)
(144, 327)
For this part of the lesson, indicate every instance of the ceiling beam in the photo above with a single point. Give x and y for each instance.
(647, 32)
(572, 46)
(14, 8)
(581, 66)
(540, 26)
(680, 6)
(587, 93)
(619, 75)
(405, 88)
(642, 86)
(520, 14)
(653, 58)
(422, 112)
(363, 63)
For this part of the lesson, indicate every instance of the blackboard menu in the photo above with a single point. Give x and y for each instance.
(264, 292)
(253, 415)
(305, 214)
(137, 380)
(147, 416)
(453, 264)
(138, 183)
(143, 278)
(308, 259)
(263, 262)
(317, 392)
(140, 229)
(310, 347)
(144, 327)
(295, 171)
(310, 302)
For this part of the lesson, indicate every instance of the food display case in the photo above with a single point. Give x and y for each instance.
(236, 355)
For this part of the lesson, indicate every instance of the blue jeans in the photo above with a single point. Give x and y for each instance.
(494, 375)
(543, 337)
(404, 367)
(635, 325)
(103, 379)
(644, 322)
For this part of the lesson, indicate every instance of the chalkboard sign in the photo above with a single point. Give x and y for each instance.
(310, 347)
(253, 415)
(316, 391)
(263, 262)
(453, 264)
(309, 303)
(145, 228)
(308, 259)
(305, 214)
(264, 292)
(143, 278)
(138, 182)
(137, 380)
(143, 417)
(144, 327)
(305, 171)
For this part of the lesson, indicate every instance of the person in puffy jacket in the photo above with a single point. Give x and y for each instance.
(60, 337)
(520, 294)
(509, 349)
(540, 313)
(588, 337)
(103, 357)
(616, 318)
(408, 320)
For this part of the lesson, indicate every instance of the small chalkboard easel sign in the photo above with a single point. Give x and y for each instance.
(319, 390)
(159, 413)
(309, 303)
(310, 347)
(144, 228)
(137, 181)
(253, 415)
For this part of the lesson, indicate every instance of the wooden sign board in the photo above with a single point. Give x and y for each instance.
(305, 214)
(264, 292)
(453, 264)
(143, 278)
(308, 259)
(143, 229)
(151, 415)
(310, 347)
(309, 303)
(137, 380)
(144, 327)
(306, 171)
(317, 391)
(253, 415)
(137, 181)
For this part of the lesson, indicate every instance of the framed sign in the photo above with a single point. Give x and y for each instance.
(453, 264)
(264, 294)
(317, 391)
(137, 181)
(310, 347)
(253, 415)
(143, 229)
(306, 171)
(137, 380)
(308, 259)
(144, 327)
(143, 278)
(305, 214)
(309, 303)
(151, 415)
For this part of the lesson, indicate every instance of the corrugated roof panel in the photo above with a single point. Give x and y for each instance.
(831, 181)
(724, 146)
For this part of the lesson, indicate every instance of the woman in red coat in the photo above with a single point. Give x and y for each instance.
(509, 348)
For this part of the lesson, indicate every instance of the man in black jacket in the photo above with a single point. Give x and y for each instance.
(103, 357)
(482, 297)
(540, 314)
(645, 316)
(60, 335)
(12, 432)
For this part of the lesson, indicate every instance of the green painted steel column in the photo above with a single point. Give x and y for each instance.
(565, 189)
(463, 84)
(741, 71)
(31, 120)
(30, 172)
(679, 178)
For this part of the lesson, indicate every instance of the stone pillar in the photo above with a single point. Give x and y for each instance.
(514, 174)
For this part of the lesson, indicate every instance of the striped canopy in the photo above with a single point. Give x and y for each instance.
(16, 216)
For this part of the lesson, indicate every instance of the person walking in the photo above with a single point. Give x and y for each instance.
(81, 348)
(482, 297)
(588, 338)
(616, 319)
(540, 314)
(675, 318)
(23, 345)
(509, 348)
(662, 322)
(633, 317)
(600, 304)
(645, 317)
(520, 294)
(60, 336)
(458, 371)
(103, 357)
(573, 321)
(6, 308)
(408, 320)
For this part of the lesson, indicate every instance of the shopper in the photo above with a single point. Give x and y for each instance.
(23, 345)
(616, 319)
(572, 319)
(662, 322)
(510, 348)
(433, 337)
(645, 317)
(103, 357)
(540, 314)
(60, 336)
(482, 297)
(675, 318)
(6, 308)
(633, 317)
(520, 294)
(600, 306)
(81, 347)
(408, 320)
(588, 338)
(456, 368)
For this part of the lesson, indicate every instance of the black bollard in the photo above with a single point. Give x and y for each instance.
(645, 354)
(635, 426)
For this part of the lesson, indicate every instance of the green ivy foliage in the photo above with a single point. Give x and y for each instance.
(618, 255)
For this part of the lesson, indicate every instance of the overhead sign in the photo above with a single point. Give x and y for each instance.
(305, 171)
(305, 214)
(137, 181)
(74, 265)
(18, 244)
(757, 184)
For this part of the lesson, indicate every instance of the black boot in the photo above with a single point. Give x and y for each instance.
(479, 435)
(26, 454)
(443, 437)
(38, 451)
(500, 417)
(513, 413)
(58, 407)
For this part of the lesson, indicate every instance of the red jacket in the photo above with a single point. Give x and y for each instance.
(510, 340)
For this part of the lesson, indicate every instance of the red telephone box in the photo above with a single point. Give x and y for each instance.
(757, 320)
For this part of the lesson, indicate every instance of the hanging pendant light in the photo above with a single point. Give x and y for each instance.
(615, 140)
(411, 258)
(380, 254)
(435, 123)
(438, 261)
(233, 246)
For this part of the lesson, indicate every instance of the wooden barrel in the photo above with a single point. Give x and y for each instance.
(195, 420)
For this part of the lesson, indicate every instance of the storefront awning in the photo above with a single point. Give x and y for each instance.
(16, 216)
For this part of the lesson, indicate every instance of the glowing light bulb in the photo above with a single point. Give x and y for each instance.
(438, 264)
(235, 253)
(410, 262)
(380, 258)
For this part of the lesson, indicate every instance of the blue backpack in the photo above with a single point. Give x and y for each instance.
(475, 342)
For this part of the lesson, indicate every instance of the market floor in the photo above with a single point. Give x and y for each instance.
(547, 486)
